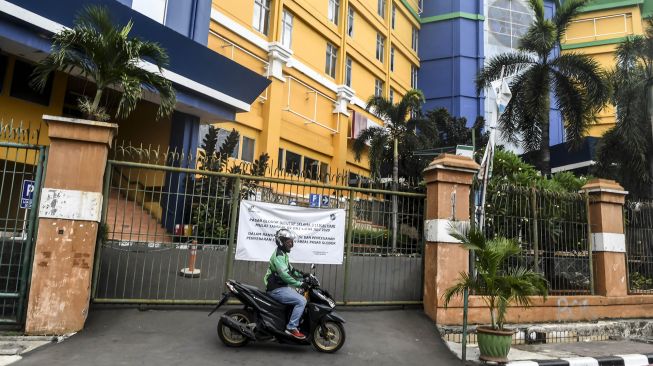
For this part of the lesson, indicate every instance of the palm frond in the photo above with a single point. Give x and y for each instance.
(380, 107)
(492, 70)
(565, 12)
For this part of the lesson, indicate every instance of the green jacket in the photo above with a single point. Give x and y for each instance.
(280, 265)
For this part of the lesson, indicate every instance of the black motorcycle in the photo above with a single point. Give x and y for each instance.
(264, 319)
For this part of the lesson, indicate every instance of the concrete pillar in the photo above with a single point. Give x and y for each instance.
(69, 213)
(606, 199)
(448, 183)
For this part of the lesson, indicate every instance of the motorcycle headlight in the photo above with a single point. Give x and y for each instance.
(329, 301)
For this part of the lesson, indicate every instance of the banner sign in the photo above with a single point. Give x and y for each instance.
(320, 232)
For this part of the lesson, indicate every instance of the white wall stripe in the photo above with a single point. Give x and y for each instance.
(523, 363)
(437, 230)
(609, 242)
(582, 361)
(239, 29)
(634, 360)
(55, 27)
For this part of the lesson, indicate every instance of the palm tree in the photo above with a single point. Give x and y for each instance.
(495, 281)
(380, 138)
(106, 55)
(632, 79)
(576, 82)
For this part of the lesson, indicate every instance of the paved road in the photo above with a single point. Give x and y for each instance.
(188, 337)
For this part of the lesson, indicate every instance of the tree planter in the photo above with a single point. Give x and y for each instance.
(494, 344)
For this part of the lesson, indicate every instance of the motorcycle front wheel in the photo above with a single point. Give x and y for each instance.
(229, 336)
(329, 337)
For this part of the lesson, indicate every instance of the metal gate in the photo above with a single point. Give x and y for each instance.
(158, 204)
(22, 166)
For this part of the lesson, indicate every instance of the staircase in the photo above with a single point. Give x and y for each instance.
(128, 220)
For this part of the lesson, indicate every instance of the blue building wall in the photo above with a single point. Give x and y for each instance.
(190, 18)
(451, 52)
(557, 134)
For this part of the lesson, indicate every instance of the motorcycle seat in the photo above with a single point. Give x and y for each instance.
(263, 295)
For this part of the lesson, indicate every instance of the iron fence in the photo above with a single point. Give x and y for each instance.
(638, 227)
(551, 228)
(162, 205)
(21, 171)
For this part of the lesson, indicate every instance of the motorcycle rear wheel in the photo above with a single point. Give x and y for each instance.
(330, 339)
(230, 337)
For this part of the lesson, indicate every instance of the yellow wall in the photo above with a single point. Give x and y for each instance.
(19, 112)
(598, 34)
(298, 114)
(29, 113)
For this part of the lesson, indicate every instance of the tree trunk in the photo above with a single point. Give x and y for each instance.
(96, 101)
(649, 108)
(545, 153)
(395, 181)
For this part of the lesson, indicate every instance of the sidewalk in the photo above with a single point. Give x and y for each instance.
(557, 351)
(12, 348)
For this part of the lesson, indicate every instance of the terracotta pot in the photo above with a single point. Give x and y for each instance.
(494, 344)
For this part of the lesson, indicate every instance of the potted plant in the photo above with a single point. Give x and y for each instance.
(499, 285)
(106, 55)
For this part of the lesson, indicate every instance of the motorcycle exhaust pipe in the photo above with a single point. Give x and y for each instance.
(238, 327)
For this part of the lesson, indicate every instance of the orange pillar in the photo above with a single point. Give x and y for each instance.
(448, 183)
(69, 213)
(606, 199)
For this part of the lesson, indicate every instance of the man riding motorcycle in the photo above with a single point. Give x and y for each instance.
(281, 275)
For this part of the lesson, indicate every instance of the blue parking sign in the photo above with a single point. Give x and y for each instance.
(27, 194)
(314, 200)
(325, 201)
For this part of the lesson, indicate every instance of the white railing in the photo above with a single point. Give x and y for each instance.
(625, 16)
(316, 93)
(234, 47)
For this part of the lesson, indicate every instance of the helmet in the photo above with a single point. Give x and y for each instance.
(282, 235)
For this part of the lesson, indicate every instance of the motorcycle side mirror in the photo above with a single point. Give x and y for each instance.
(313, 268)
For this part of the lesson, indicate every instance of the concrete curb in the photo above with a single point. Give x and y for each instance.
(617, 360)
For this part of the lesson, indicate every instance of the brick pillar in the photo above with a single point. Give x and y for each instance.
(606, 199)
(69, 213)
(448, 182)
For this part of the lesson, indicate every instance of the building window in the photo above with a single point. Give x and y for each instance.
(415, 39)
(378, 88)
(21, 89)
(248, 150)
(392, 58)
(393, 16)
(507, 22)
(348, 72)
(381, 8)
(311, 168)
(331, 58)
(286, 30)
(334, 9)
(350, 22)
(4, 60)
(261, 16)
(293, 163)
(413, 77)
(380, 47)
(280, 160)
(392, 96)
(420, 6)
(324, 172)
(222, 137)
